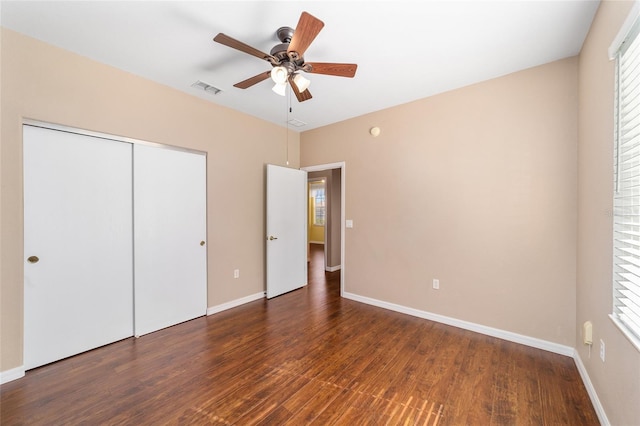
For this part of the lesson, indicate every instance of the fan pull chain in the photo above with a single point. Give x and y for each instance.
(287, 124)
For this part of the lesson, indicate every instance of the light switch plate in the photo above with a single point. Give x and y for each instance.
(349, 223)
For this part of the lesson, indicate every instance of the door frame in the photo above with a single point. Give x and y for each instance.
(343, 192)
(102, 135)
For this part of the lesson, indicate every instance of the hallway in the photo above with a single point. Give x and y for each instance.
(319, 279)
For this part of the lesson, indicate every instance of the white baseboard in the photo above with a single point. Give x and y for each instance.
(478, 328)
(602, 416)
(333, 268)
(13, 374)
(234, 303)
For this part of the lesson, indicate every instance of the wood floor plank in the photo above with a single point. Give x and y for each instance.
(306, 357)
(504, 387)
(314, 401)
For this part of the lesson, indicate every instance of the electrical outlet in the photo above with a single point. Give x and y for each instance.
(602, 350)
(436, 284)
(236, 273)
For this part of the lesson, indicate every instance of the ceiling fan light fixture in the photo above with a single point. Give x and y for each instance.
(301, 82)
(287, 58)
(279, 75)
(280, 88)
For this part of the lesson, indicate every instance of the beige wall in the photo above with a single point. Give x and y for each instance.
(617, 381)
(45, 83)
(475, 187)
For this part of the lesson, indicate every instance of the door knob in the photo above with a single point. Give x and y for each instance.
(271, 238)
(201, 243)
(33, 259)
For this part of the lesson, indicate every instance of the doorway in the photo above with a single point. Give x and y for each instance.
(332, 213)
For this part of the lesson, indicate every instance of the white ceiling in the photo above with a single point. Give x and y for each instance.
(405, 50)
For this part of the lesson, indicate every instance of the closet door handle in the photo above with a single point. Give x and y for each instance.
(271, 238)
(33, 259)
(202, 243)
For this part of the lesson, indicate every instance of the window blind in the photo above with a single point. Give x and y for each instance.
(626, 202)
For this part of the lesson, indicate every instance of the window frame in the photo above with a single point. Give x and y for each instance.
(625, 310)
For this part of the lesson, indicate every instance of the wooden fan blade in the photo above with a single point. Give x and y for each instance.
(301, 96)
(238, 45)
(340, 70)
(253, 80)
(308, 28)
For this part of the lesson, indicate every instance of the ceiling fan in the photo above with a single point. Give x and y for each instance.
(287, 58)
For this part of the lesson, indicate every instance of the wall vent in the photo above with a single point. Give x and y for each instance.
(296, 123)
(206, 87)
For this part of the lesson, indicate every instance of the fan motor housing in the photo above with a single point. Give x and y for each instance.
(285, 34)
(279, 51)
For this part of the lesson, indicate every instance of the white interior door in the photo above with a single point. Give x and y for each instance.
(286, 230)
(169, 237)
(77, 232)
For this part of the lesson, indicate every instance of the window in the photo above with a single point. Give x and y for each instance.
(316, 191)
(626, 199)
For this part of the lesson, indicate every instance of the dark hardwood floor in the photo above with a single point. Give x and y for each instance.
(307, 357)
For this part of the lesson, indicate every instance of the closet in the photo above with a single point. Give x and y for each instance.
(114, 240)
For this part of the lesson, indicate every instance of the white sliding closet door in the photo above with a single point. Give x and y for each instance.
(170, 283)
(78, 267)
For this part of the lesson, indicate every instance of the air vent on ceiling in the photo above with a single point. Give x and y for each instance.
(206, 87)
(296, 123)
